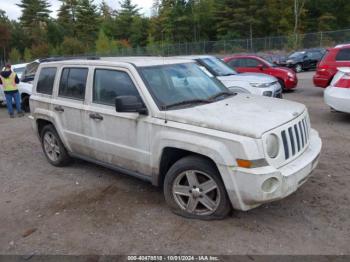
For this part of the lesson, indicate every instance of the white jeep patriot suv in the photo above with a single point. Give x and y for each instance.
(166, 121)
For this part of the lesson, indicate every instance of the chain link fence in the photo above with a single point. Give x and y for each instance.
(265, 44)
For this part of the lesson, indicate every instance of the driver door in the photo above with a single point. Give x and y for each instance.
(119, 139)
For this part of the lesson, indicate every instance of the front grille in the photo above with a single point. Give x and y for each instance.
(295, 138)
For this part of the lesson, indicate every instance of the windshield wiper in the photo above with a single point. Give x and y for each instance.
(223, 93)
(187, 102)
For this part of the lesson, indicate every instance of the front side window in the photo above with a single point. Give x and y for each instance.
(46, 80)
(73, 83)
(180, 83)
(343, 55)
(250, 62)
(108, 84)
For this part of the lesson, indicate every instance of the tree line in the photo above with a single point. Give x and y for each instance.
(83, 27)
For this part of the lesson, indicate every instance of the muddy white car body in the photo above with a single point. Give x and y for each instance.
(251, 83)
(262, 148)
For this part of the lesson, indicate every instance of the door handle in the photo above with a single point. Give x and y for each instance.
(96, 116)
(59, 108)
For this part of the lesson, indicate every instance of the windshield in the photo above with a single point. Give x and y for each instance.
(180, 83)
(270, 61)
(19, 70)
(296, 54)
(216, 66)
(29, 71)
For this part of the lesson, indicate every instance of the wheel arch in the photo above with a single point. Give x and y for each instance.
(170, 155)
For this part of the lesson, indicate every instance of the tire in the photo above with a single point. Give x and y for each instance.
(25, 103)
(51, 142)
(298, 68)
(188, 201)
(283, 86)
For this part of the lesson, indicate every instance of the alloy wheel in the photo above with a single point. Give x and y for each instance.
(51, 146)
(196, 192)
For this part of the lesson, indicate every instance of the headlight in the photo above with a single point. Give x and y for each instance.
(260, 85)
(290, 74)
(267, 93)
(289, 61)
(272, 145)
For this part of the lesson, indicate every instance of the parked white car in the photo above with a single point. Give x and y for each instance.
(252, 83)
(337, 95)
(166, 121)
(24, 88)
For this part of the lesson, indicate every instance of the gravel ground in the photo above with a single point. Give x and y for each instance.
(87, 209)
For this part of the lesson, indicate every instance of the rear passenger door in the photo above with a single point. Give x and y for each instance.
(68, 107)
(119, 139)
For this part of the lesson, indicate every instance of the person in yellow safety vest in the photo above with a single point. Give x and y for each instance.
(9, 81)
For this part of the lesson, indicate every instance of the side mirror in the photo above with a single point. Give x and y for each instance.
(260, 66)
(130, 104)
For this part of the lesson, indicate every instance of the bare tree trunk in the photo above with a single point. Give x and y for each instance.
(298, 7)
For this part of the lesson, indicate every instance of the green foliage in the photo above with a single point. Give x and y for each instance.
(14, 56)
(81, 26)
(40, 50)
(72, 46)
(27, 56)
(87, 24)
(35, 14)
(103, 44)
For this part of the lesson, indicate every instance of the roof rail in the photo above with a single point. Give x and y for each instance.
(62, 58)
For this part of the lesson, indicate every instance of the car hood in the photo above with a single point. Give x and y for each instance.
(248, 77)
(242, 114)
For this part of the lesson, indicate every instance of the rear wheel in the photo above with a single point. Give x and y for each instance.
(193, 189)
(298, 68)
(53, 147)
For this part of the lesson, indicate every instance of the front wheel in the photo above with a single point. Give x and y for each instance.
(193, 189)
(25, 104)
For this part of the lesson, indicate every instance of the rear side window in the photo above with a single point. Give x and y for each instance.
(73, 83)
(108, 84)
(46, 80)
(343, 55)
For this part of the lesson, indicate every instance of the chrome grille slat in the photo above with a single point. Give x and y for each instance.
(295, 137)
(301, 134)
(291, 138)
(285, 144)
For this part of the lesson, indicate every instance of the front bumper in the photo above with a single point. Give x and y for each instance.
(290, 82)
(249, 188)
(338, 98)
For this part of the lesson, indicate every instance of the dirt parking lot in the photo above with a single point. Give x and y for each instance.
(87, 209)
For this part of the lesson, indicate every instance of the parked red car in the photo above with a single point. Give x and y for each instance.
(256, 64)
(338, 56)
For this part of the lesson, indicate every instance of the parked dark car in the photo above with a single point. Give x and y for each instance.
(303, 60)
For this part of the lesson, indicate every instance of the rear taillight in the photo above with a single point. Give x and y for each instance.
(343, 82)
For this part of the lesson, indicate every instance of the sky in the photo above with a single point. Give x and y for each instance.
(14, 12)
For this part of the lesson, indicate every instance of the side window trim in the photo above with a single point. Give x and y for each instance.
(60, 80)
